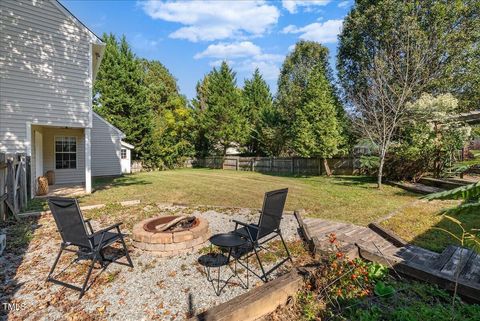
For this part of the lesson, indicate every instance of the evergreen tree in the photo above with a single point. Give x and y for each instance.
(199, 104)
(222, 122)
(171, 141)
(295, 77)
(257, 103)
(118, 93)
(315, 129)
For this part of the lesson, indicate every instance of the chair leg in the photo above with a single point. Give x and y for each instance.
(82, 291)
(265, 278)
(286, 248)
(126, 250)
(56, 261)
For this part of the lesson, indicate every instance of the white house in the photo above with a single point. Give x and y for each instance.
(48, 62)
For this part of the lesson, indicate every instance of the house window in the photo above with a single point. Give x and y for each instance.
(123, 153)
(65, 152)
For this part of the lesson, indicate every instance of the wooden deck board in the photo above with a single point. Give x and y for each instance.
(411, 260)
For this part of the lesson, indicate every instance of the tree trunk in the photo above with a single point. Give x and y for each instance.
(327, 168)
(380, 171)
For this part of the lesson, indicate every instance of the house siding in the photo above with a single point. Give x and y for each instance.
(63, 176)
(44, 73)
(106, 146)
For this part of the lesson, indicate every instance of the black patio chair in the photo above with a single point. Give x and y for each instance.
(90, 245)
(268, 228)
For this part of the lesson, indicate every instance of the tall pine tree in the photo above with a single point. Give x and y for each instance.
(315, 129)
(294, 79)
(257, 102)
(222, 122)
(119, 95)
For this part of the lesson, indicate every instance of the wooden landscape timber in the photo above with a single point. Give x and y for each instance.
(257, 302)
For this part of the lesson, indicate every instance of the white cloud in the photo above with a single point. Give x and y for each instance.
(213, 20)
(245, 56)
(145, 46)
(290, 29)
(344, 4)
(324, 32)
(230, 50)
(293, 5)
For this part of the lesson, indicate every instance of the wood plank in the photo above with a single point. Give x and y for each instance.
(457, 262)
(444, 257)
(471, 291)
(387, 234)
(322, 230)
(471, 271)
(257, 302)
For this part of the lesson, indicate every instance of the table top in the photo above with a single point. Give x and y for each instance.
(228, 240)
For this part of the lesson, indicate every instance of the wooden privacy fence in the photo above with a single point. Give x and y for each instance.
(13, 184)
(280, 165)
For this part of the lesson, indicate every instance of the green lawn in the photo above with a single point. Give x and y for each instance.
(348, 198)
(423, 224)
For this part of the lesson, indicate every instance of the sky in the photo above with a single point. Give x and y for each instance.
(192, 37)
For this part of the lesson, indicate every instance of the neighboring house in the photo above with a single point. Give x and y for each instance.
(48, 62)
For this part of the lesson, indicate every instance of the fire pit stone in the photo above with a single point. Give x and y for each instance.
(174, 241)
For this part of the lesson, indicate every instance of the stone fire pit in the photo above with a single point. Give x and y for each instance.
(177, 240)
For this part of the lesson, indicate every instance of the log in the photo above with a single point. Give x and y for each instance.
(173, 222)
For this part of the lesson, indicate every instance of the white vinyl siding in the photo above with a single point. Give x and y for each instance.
(106, 147)
(70, 175)
(44, 71)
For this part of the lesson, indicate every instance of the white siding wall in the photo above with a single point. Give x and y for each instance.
(105, 149)
(64, 176)
(44, 71)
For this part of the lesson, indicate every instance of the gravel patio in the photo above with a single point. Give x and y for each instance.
(155, 289)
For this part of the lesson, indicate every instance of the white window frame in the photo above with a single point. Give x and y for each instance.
(121, 153)
(55, 152)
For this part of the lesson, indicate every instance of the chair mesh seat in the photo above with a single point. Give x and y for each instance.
(107, 239)
(246, 229)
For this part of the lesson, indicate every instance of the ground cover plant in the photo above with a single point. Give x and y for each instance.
(345, 289)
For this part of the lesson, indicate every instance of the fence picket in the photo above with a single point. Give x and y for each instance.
(283, 165)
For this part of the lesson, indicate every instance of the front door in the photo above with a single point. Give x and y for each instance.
(38, 155)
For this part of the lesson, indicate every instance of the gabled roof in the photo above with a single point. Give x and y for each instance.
(68, 14)
(127, 145)
(122, 135)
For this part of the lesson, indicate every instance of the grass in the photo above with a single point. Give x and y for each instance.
(420, 224)
(347, 198)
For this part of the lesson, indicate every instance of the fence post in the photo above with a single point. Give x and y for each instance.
(292, 165)
(237, 163)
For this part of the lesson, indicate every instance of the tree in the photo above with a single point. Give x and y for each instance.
(449, 29)
(396, 61)
(222, 122)
(315, 128)
(118, 93)
(293, 82)
(199, 106)
(429, 138)
(257, 103)
(171, 141)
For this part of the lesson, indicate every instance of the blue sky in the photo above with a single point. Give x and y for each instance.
(190, 37)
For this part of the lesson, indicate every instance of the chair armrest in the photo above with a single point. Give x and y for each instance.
(245, 224)
(111, 227)
(87, 221)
